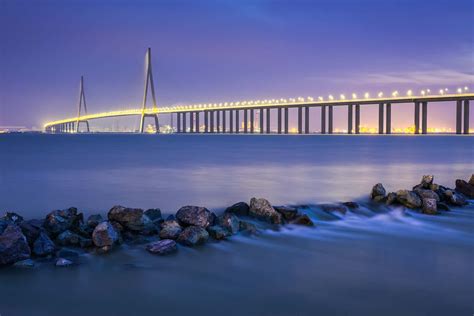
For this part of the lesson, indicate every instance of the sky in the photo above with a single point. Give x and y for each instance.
(227, 50)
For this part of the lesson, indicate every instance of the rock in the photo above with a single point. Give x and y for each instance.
(442, 206)
(240, 209)
(230, 222)
(67, 253)
(94, 220)
(31, 229)
(262, 209)
(248, 228)
(427, 194)
(471, 180)
(429, 206)
(170, 217)
(465, 188)
(25, 264)
(170, 229)
(426, 181)
(409, 199)
(391, 198)
(130, 218)
(43, 245)
(194, 216)
(62, 262)
(303, 220)
(218, 232)
(68, 238)
(9, 218)
(59, 221)
(103, 250)
(154, 214)
(351, 205)
(287, 212)
(454, 198)
(13, 245)
(162, 247)
(105, 234)
(330, 208)
(193, 236)
(378, 192)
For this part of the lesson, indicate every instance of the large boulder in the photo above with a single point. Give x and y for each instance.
(59, 221)
(31, 229)
(130, 218)
(378, 192)
(427, 194)
(230, 222)
(240, 209)
(9, 218)
(154, 214)
(162, 247)
(262, 209)
(13, 245)
(43, 245)
(105, 235)
(195, 216)
(287, 212)
(193, 236)
(426, 181)
(218, 232)
(465, 188)
(391, 198)
(409, 199)
(454, 198)
(68, 238)
(94, 220)
(429, 206)
(170, 229)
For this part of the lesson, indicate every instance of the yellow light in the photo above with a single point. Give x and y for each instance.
(320, 98)
(466, 88)
(409, 93)
(394, 93)
(331, 97)
(428, 90)
(441, 91)
(366, 95)
(343, 97)
(459, 90)
(354, 96)
(380, 94)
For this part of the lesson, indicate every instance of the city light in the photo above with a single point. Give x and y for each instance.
(409, 93)
(366, 95)
(331, 97)
(395, 94)
(380, 94)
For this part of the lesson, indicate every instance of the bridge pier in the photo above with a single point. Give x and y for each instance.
(388, 118)
(184, 122)
(381, 118)
(459, 108)
(424, 117)
(231, 121)
(237, 122)
(306, 119)
(417, 117)
(357, 119)
(212, 113)
(206, 122)
(331, 121)
(178, 122)
(191, 122)
(279, 120)
(466, 117)
(268, 120)
(224, 121)
(252, 121)
(286, 120)
(196, 123)
(245, 121)
(87, 125)
(261, 120)
(323, 119)
(349, 118)
(300, 120)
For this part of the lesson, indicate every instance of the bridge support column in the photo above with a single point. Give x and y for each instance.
(231, 121)
(211, 123)
(388, 119)
(252, 121)
(286, 120)
(237, 122)
(331, 121)
(466, 117)
(458, 116)
(197, 130)
(206, 122)
(279, 120)
(178, 122)
(381, 118)
(218, 121)
(306, 120)
(224, 121)
(357, 119)
(245, 121)
(142, 123)
(184, 122)
(349, 118)
(260, 125)
(191, 122)
(424, 117)
(300, 120)
(417, 117)
(323, 119)
(268, 120)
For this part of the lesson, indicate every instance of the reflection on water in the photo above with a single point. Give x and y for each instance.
(369, 262)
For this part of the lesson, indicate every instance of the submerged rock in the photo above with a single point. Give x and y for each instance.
(230, 222)
(454, 198)
(287, 212)
(378, 192)
(193, 236)
(62, 262)
(25, 264)
(409, 199)
(194, 216)
(71, 254)
(330, 208)
(303, 220)
(59, 221)
(130, 218)
(43, 245)
(13, 245)
(262, 209)
(218, 232)
(351, 205)
(162, 247)
(105, 234)
(170, 229)
(429, 206)
(442, 206)
(465, 188)
(240, 209)
(248, 228)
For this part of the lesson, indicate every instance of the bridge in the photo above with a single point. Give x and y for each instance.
(220, 118)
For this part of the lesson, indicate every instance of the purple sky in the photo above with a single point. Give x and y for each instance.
(228, 50)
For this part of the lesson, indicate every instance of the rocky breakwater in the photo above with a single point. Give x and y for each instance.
(63, 235)
(426, 197)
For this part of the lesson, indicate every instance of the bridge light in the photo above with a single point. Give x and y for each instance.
(466, 88)
(320, 98)
(354, 96)
(409, 93)
(423, 92)
(380, 94)
(459, 90)
(331, 97)
(342, 97)
(395, 94)
(366, 95)
(441, 91)
(310, 98)
(428, 91)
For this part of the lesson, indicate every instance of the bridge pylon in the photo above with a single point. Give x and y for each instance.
(82, 102)
(149, 81)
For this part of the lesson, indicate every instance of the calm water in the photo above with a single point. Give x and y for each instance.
(390, 263)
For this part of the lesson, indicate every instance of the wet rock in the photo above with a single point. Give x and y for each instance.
(162, 247)
(443, 206)
(427, 194)
(465, 188)
(230, 222)
(351, 205)
(409, 199)
(429, 206)
(262, 209)
(71, 254)
(170, 229)
(68, 238)
(154, 214)
(378, 193)
(193, 236)
(94, 220)
(194, 216)
(240, 209)
(13, 245)
(391, 198)
(9, 218)
(218, 232)
(170, 217)
(130, 218)
(59, 221)
(330, 208)
(43, 245)
(303, 220)
(105, 234)
(31, 229)
(454, 198)
(25, 264)
(62, 262)
(427, 181)
(471, 180)
(287, 212)
(248, 228)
